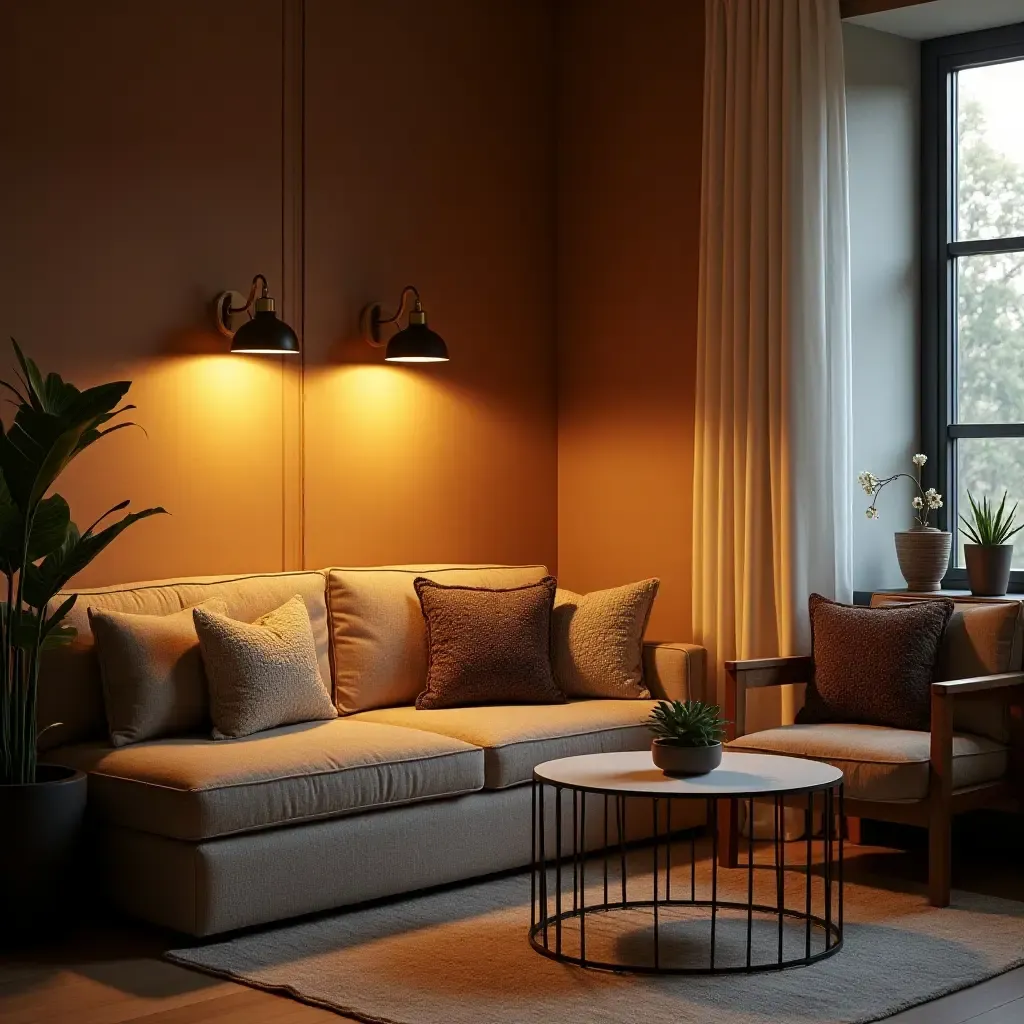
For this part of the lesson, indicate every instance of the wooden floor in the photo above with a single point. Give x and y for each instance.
(110, 972)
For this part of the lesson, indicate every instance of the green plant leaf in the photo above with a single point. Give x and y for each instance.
(42, 582)
(49, 527)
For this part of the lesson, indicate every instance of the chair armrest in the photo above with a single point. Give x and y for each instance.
(741, 676)
(978, 684)
(675, 671)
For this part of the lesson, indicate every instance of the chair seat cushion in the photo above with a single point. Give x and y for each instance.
(196, 789)
(517, 737)
(880, 763)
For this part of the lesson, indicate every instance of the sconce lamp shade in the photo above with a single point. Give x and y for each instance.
(416, 343)
(264, 334)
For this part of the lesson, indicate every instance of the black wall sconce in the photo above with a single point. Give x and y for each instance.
(263, 333)
(415, 343)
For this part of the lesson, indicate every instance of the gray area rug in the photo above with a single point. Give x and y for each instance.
(461, 956)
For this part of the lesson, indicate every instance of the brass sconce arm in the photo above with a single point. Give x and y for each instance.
(378, 320)
(252, 295)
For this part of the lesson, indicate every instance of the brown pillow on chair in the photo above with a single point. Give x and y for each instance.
(488, 646)
(874, 665)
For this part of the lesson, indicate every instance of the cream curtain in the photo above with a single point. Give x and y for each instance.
(773, 417)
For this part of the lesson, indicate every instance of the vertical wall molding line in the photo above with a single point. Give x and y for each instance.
(293, 145)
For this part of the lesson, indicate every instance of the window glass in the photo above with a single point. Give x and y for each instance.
(990, 338)
(986, 466)
(990, 151)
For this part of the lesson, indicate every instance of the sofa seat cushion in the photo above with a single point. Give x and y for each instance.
(880, 763)
(196, 789)
(517, 737)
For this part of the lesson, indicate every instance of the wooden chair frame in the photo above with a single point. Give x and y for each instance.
(935, 812)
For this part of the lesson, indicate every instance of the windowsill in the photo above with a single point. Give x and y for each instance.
(864, 596)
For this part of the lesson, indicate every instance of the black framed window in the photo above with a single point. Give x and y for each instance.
(972, 159)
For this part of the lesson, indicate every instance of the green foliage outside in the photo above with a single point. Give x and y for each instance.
(990, 310)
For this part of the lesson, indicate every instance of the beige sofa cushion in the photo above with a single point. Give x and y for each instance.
(197, 788)
(597, 640)
(69, 682)
(153, 679)
(378, 632)
(261, 674)
(516, 737)
(880, 763)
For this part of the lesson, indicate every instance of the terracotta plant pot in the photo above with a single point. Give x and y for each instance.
(923, 554)
(988, 568)
(41, 851)
(674, 759)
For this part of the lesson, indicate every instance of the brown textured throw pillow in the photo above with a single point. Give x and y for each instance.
(488, 646)
(262, 674)
(152, 673)
(874, 665)
(598, 640)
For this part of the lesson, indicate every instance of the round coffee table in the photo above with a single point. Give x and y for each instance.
(675, 924)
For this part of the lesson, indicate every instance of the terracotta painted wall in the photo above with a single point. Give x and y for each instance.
(430, 161)
(124, 208)
(125, 204)
(629, 215)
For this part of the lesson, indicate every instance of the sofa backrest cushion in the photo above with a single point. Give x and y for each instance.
(378, 632)
(982, 638)
(70, 689)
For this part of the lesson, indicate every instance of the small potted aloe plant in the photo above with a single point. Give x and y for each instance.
(688, 737)
(989, 555)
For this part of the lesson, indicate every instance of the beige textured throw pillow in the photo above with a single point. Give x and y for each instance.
(152, 673)
(262, 674)
(597, 640)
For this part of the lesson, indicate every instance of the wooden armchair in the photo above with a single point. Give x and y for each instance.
(934, 775)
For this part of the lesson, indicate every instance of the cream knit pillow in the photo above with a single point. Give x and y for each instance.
(597, 640)
(261, 674)
(152, 673)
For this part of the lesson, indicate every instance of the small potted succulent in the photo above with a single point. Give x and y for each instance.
(688, 737)
(923, 550)
(989, 556)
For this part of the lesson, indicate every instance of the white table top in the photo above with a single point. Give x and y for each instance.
(633, 773)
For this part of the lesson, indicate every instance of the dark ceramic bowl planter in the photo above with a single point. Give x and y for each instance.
(41, 850)
(677, 760)
(988, 568)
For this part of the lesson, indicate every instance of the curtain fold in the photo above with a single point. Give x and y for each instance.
(773, 390)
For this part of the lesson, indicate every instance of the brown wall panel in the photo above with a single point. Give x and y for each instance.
(140, 174)
(629, 217)
(141, 169)
(430, 161)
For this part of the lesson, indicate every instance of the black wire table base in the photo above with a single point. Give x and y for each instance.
(585, 877)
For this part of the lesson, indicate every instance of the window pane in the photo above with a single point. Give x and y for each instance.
(990, 338)
(986, 467)
(990, 151)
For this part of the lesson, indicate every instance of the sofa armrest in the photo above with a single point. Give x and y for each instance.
(741, 676)
(675, 671)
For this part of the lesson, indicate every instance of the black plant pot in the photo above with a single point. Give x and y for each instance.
(679, 761)
(40, 851)
(988, 568)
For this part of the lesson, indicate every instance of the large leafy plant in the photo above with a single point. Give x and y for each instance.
(41, 549)
(990, 526)
(687, 723)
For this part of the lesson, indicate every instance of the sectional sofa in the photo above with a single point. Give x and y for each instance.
(206, 836)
